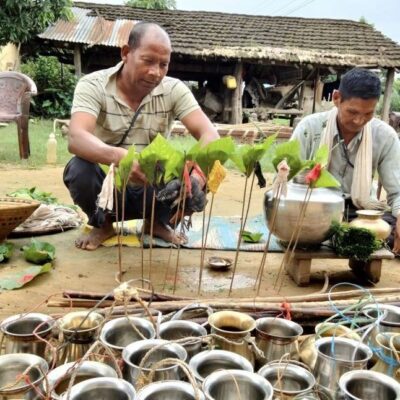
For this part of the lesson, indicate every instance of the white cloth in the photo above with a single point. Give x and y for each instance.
(105, 199)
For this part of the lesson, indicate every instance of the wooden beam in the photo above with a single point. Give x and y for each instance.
(77, 61)
(388, 94)
(236, 115)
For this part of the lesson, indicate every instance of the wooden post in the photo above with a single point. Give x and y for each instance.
(77, 61)
(388, 94)
(316, 80)
(236, 114)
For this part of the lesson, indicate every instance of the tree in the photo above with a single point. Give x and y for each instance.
(153, 4)
(21, 20)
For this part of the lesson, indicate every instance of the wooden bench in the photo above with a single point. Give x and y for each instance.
(299, 268)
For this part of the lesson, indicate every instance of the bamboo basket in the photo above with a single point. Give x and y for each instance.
(13, 212)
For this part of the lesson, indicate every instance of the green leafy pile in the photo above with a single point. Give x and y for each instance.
(34, 194)
(352, 242)
(39, 252)
(6, 250)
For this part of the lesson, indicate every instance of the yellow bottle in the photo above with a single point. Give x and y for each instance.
(52, 149)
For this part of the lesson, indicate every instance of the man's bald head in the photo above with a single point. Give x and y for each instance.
(142, 29)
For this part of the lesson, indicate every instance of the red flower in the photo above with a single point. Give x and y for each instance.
(314, 174)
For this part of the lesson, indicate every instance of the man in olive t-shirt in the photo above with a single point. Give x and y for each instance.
(123, 106)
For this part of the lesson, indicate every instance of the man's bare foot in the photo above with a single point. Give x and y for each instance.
(95, 237)
(166, 233)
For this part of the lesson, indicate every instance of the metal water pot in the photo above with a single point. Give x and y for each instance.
(335, 356)
(102, 388)
(169, 390)
(235, 384)
(388, 354)
(180, 329)
(325, 205)
(368, 385)
(135, 353)
(59, 378)
(22, 333)
(13, 385)
(276, 337)
(209, 361)
(288, 379)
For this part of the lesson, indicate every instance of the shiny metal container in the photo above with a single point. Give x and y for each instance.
(134, 353)
(78, 331)
(209, 361)
(18, 333)
(325, 205)
(276, 337)
(180, 329)
(288, 380)
(234, 384)
(236, 327)
(389, 317)
(368, 385)
(11, 368)
(102, 388)
(335, 356)
(169, 390)
(59, 378)
(388, 354)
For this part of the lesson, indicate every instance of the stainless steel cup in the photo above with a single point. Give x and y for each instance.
(169, 390)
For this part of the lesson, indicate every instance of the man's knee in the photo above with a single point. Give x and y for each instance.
(80, 173)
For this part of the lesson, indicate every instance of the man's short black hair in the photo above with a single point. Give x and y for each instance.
(138, 31)
(361, 83)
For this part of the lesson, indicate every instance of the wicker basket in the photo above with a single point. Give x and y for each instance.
(14, 211)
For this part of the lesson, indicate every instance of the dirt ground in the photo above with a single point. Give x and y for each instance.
(75, 269)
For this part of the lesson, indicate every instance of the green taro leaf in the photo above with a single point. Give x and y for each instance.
(322, 155)
(125, 166)
(6, 251)
(291, 152)
(39, 252)
(21, 278)
(251, 237)
(254, 153)
(326, 179)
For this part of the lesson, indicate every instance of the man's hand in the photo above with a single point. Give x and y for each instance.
(396, 246)
(136, 175)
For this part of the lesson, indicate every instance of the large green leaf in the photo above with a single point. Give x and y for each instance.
(21, 278)
(291, 151)
(326, 179)
(39, 252)
(255, 152)
(322, 155)
(6, 250)
(125, 166)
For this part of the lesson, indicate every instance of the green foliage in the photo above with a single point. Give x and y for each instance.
(34, 194)
(56, 84)
(291, 152)
(39, 252)
(153, 4)
(21, 20)
(395, 100)
(6, 250)
(352, 242)
(125, 166)
(326, 179)
(251, 237)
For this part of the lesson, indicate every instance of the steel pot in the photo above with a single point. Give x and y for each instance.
(368, 385)
(224, 385)
(206, 362)
(335, 356)
(388, 354)
(134, 353)
(102, 388)
(12, 366)
(276, 337)
(325, 205)
(168, 390)
(22, 333)
(288, 380)
(180, 329)
(59, 378)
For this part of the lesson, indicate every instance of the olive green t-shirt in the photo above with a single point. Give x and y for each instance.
(96, 94)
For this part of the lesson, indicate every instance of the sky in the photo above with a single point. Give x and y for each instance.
(384, 14)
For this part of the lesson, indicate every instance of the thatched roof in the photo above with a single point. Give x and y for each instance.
(252, 38)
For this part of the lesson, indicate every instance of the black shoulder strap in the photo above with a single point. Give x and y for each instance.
(135, 116)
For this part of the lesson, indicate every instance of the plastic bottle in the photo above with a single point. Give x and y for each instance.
(52, 149)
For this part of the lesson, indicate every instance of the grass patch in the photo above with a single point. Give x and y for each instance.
(39, 131)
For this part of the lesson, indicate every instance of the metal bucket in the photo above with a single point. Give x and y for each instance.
(288, 380)
(235, 327)
(78, 331)
(209, 361)
(368, 385)
(335, 356)
(18, 333)
(134, 353)
(59, 378)
(388, 354)
(102, 388)
(180, 329)
(12, 385)
(233, 384)
(276, 337)
(169, 390)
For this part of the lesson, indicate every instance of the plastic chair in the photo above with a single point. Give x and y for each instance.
(16, 90)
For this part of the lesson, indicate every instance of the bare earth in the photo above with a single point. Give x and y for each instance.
(95, 271)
